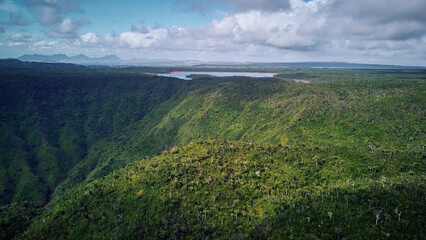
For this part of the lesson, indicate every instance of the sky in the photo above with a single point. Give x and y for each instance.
(358, 31)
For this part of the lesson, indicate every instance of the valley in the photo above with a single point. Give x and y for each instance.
(119, 153)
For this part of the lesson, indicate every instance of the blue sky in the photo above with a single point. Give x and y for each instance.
(367, 31)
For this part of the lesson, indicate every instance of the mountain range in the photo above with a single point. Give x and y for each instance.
(107, 60)
(113, 60)
(62, 58)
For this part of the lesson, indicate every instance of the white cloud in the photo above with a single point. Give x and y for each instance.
(143, 40)
(44, 45)
(50, 12)
(20, 37)
(8, 5)
(68, 28)
(15, 44)
(17, 19)
(90, 38)
(299, 29)
(294, 30)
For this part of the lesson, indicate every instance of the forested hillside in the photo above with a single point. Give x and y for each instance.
(341, 156)
(361, 117)
(52, 114)
(233, 190)
(50, 118)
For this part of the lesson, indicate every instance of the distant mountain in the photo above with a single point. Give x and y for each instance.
(344, 65)
(113, 60)
(78, 59)
(109, 58)
(313, 65)
(41, 58)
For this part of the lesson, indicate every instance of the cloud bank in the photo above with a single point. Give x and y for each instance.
(15, 19)
(287, 30)
(50, 13)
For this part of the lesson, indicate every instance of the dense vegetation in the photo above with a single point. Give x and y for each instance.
(341, 157)
(49, 119)
(228, 190)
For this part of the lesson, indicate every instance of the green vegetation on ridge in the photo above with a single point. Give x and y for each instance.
(49, 120)
(355, 116)
(352, 138)
(223, 190)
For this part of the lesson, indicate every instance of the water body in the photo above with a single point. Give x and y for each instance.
(184, 75)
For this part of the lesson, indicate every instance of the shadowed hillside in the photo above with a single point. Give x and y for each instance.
(49, 120)
(267, 151)
(359, 117)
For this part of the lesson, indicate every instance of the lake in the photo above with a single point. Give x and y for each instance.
(183, 75)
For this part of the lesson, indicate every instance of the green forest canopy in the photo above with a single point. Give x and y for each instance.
(352, 138)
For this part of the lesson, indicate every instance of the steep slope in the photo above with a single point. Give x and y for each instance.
(51, 117)
(233, 190)
(62, 125)
(372, 114)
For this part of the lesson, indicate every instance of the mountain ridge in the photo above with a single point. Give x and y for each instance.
(113, 60)
(351, 139)
(234, 189)
(62, 58)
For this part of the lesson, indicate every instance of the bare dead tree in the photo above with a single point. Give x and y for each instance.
(377, 213)
(398, 213)
(371, 148)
